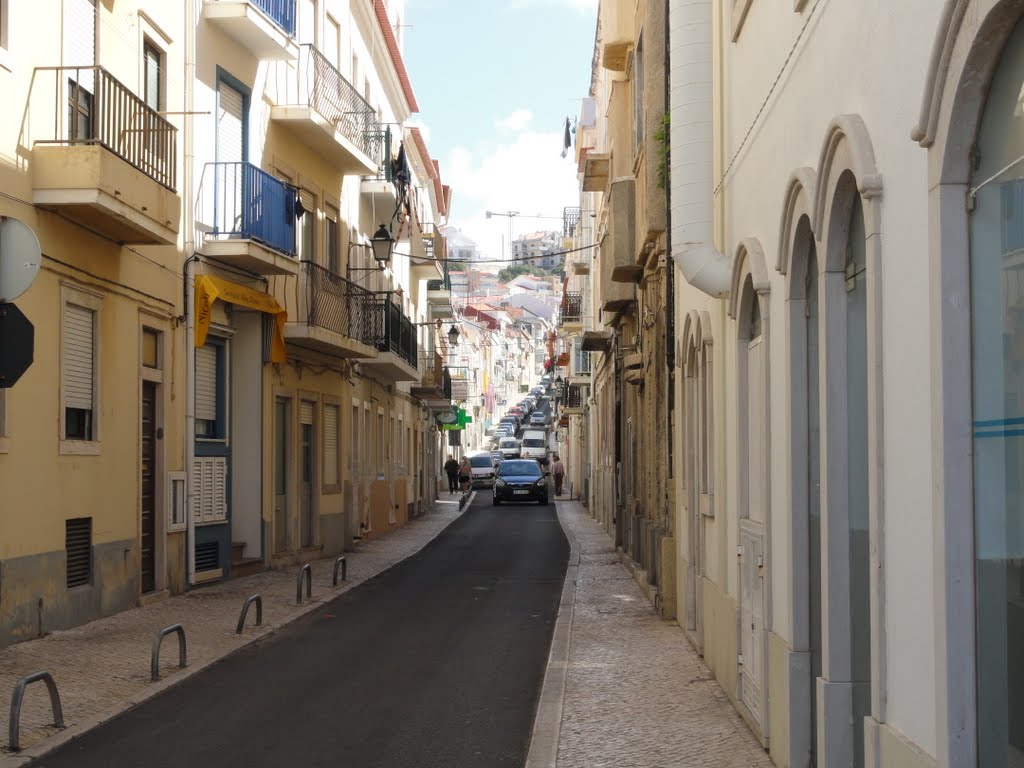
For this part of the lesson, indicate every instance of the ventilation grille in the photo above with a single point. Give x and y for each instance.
(207, 556)
(78, 546)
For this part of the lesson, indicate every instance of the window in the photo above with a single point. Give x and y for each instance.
(332, 240)
(152, 76)
(78, 548)
(79, 112)
(79, 373)
(330, 447)
(209, 392)
(209, 481)
(150, 348)
(175, 501)
(307, 227)
(332, 41)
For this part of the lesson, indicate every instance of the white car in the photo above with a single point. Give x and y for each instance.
(509, 447)
(482, 467)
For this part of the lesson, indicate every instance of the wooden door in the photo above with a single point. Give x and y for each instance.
(147, 464)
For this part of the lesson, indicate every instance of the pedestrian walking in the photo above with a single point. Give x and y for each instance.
(451, 468)
(465, 474)
(558, 473)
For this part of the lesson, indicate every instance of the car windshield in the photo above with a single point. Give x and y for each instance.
(538, 414)
(480, 461)
(520, 469)
(509, 443)
(533, 442)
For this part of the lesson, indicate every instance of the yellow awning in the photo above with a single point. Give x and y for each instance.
(209, 289)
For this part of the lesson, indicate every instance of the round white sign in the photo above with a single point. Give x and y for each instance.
(19, 258)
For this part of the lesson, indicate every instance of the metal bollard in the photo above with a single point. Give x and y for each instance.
(158, 638)
(245, 609)
(14, 725)
(306, 569)
(344, 570)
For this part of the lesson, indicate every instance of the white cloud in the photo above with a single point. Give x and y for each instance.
(526, 175)
(517, 121)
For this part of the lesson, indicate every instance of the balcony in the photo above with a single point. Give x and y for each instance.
(333, 315)
(439, 296)
(247, 219)
(380, 189)
(110, 161)
(596, 341)
(573, 403)
(435, 388)
(266, 28)
(571, 221)
(326, 113)
(618, 246)
(596, 167)
(394, 337)
(571, 312)
(428, 250)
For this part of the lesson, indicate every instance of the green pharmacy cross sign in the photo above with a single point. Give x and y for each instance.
(456, 418)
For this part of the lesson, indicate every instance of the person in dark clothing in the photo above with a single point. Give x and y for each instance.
(451, 468)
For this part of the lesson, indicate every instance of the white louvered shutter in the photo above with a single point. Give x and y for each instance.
(230, 124)
(209, 484)
(79, 357)
(306, 412)
(80, 39)
(206, 383)
(330, 445)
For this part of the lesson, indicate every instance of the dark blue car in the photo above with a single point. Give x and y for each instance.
(520, 480)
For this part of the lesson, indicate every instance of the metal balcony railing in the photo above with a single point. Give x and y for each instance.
(396, 332)
(91, 106)
(281, 12)
(573, 396)
(572, 307)
(334, 97)
(570, 220)
(242, 201)
(336, 304)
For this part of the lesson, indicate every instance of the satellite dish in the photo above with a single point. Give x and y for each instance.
(19, 258)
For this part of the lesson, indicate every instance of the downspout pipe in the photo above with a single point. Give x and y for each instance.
(188, 225)
(691, 76)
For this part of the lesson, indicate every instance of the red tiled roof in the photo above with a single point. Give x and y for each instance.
(396, 55)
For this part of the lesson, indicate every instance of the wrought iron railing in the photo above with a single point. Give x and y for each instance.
(397, 332)
(91, 106)
(240, 200)
(281, 12)
(572, 307)
(334, 97)
(334, 303)
(570, 220)
(573, 397)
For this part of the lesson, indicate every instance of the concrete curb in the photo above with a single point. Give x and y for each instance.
(72, 732)
(547, 724)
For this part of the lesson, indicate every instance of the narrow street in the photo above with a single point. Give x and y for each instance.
(437, 661)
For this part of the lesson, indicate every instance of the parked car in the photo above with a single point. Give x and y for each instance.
(538, 419)
(521, 480)
(482, 467)
(509, 447)
(516, 410)
(496, 457)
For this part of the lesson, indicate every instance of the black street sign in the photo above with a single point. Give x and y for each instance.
(17, 336)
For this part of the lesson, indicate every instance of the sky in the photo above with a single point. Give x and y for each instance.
(495, 81)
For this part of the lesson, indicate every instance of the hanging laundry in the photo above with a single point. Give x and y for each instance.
(566, 139)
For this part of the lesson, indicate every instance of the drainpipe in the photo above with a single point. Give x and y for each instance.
(691, 74)
(188, 275)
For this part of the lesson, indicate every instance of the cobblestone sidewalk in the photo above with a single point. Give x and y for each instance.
(636, 693)
(103, 667)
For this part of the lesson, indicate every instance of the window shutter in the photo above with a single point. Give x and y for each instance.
(306, 412)
(230, 124)
(308, 201)
(330, 445)
(80, 40)
(79, 353)
(206, 383)
(209, 485)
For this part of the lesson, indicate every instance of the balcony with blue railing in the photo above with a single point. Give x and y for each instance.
(266, 28)
(246, 218)
(324, 110)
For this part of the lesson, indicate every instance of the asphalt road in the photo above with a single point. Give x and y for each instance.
(435, 662)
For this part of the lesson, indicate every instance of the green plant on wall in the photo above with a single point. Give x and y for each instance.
(663, 138)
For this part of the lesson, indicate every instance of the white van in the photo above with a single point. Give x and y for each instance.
(535, 445)
(482, 467)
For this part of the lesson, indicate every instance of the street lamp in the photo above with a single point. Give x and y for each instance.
(453, 336)
(382, 243)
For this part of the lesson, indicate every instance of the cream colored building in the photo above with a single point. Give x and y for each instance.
(233, 382)
(845, 232)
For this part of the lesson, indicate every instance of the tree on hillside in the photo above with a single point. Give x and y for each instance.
(510, 273)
